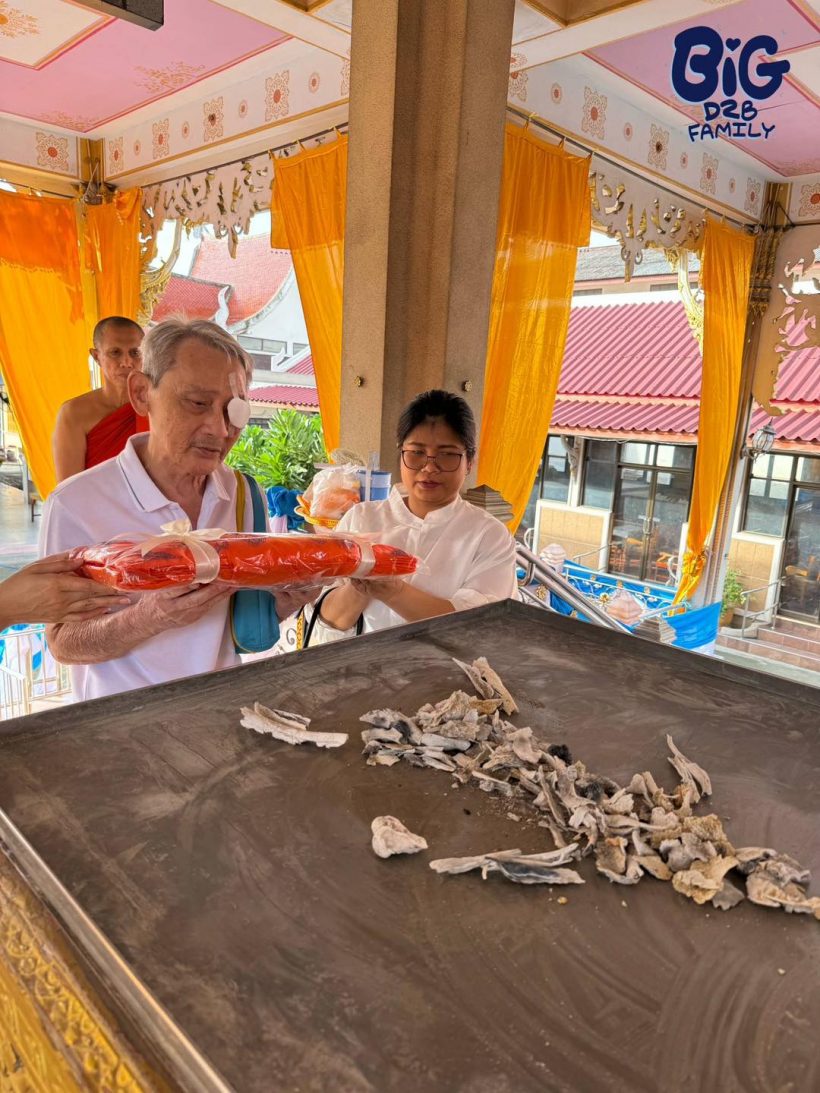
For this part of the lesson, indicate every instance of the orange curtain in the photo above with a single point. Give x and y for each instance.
(544, 216)
(725, 276)
(43, 332)
(113, 253)
(308, 219)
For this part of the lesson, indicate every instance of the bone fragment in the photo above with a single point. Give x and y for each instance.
(288, 727)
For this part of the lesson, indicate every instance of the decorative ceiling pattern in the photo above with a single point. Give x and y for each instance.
(300, 84)
(644, 61)
(36, 32)
(231, 77)
(91, 72)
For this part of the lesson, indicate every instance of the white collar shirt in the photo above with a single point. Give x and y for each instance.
(467, 556)
(118, 497)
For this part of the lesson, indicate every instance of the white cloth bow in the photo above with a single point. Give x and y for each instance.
(206, 559)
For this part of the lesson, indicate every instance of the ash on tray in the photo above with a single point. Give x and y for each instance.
(629, 830)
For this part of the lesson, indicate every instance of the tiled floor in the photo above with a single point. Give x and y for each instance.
(18, 534)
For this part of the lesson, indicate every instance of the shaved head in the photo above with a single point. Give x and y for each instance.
(114, 322)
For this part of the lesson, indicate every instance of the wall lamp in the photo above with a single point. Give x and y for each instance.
(761, 444)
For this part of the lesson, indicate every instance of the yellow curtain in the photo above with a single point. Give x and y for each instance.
(544, 216)
(308, 218)
(113, 253)
(725, 276)
(43, 334)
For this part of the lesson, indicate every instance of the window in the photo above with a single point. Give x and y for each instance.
(298, 347)
(770, 485)
(551, 480)
(555, 471)
(767, 494)
(600, 466)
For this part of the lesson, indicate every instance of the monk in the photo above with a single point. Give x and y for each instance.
(95, 426)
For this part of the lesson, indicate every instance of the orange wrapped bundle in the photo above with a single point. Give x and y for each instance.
(246, 560)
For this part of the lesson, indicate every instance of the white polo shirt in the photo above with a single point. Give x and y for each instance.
(119, 498)
(467, 556)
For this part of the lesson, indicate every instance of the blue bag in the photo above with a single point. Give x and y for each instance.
(254, 622)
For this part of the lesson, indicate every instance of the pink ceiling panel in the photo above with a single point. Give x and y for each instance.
(646, 61)
(123, 66)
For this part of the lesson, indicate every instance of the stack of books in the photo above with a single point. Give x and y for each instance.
(491, 501)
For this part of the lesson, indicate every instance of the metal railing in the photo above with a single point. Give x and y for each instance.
(599, 565)
(535, 569)
(769, 609)
(22, 685)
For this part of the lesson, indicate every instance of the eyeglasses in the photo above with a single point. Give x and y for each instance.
(443, 461)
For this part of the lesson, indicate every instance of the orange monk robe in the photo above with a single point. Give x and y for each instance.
(109, 436)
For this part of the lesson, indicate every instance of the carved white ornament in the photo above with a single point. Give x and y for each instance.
(639, 214)
(225, 197)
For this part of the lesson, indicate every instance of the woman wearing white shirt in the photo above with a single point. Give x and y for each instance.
(468, 556)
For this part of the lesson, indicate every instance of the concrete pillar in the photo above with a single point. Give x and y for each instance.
(428, 93)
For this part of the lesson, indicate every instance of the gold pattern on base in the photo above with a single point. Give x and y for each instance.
(54, 1036)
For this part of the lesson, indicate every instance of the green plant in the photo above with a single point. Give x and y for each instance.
(732, 590)
(282, 452)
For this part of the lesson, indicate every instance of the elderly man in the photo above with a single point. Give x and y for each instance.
(95, 426)
(191, 372)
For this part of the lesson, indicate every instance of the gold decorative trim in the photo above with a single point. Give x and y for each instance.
(22, 174)
(55, 1037)
(154, 281)
(160, 164)
(678, 259)
(641, 171)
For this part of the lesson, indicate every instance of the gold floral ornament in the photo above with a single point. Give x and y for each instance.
(752, 204)
(17, 24)
(708, 173)
(173, 76)
(52, 152)
(160, 138)
(115, 153)
(658, 146)
(810, 201)
(518, 86)
(213, 115)
(594, 115)
(276, 96)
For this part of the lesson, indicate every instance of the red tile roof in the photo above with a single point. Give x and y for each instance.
(799, 378)
(631, 349)
(189, 298)
(286, 395)
(256, 274)
(303, 368)
(656, 416)
(636, 368)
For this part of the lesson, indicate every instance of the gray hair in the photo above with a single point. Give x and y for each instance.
(162, 341)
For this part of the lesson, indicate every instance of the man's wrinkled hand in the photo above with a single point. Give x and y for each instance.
(172, 608)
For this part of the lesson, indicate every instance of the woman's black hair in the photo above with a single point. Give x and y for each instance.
(439, 405)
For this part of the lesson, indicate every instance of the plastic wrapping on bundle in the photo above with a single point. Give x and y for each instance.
(243, 560)
(332, 492)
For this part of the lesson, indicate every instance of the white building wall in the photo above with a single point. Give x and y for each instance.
(283, 321)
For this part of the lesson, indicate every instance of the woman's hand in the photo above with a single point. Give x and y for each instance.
(50, 591)
(386, 589)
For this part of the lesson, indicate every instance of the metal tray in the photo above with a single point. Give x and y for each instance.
(233, 875)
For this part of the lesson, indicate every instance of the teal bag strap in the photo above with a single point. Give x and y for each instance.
(259, 521)
(253, 619)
